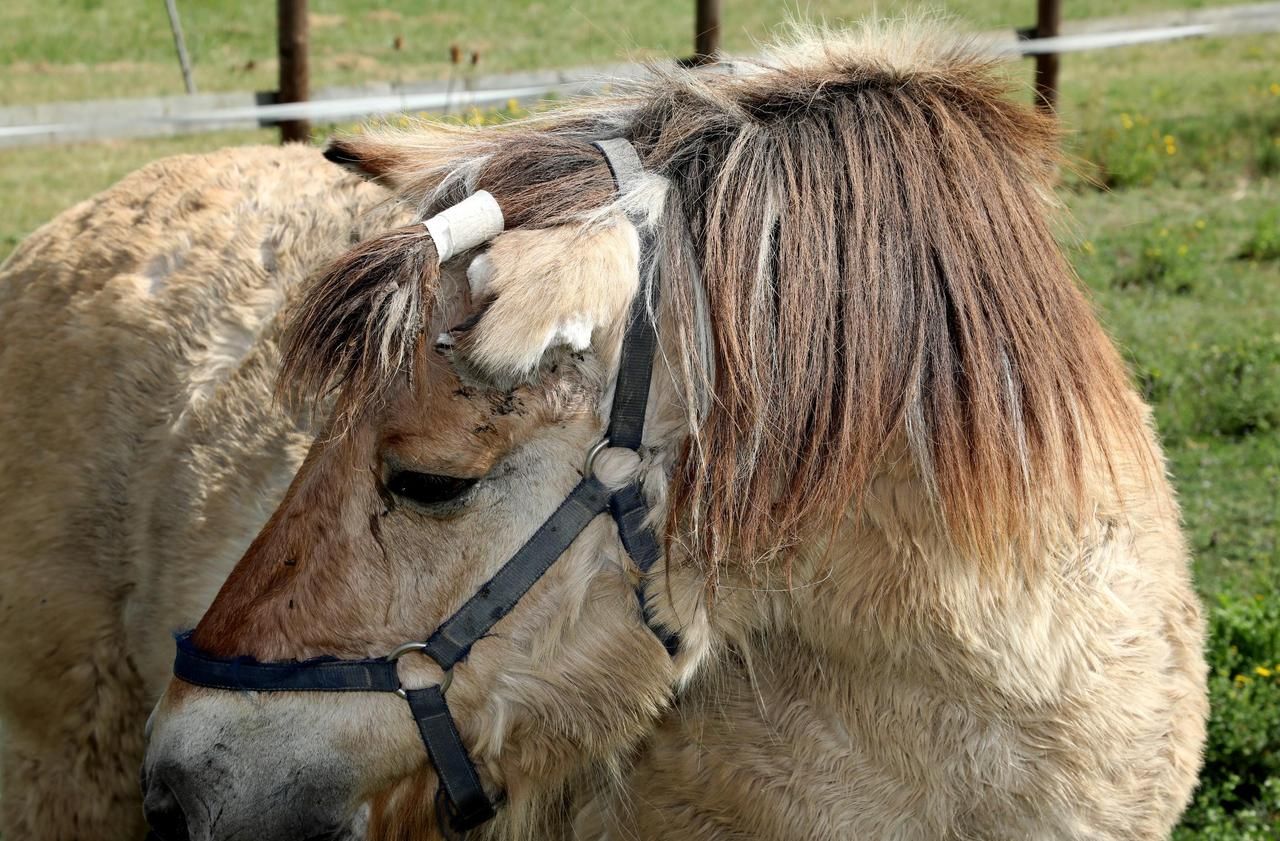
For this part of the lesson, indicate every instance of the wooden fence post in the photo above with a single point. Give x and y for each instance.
(291, 27)
(1048, 24)
(706, 31)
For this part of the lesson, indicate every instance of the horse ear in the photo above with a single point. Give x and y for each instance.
(378, 159)
(410, 161)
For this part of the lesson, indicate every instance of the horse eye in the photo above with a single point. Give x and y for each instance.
(427, 488)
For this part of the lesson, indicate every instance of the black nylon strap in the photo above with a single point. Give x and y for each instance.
(631, 392)
(245, 673)
(629, 511)
(635, 368)
(670, 639)
(453, 640)
(468, 805)
(460, 790)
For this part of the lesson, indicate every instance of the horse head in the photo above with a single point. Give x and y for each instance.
(844, 251)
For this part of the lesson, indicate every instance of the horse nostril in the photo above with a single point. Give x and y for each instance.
(164, 814)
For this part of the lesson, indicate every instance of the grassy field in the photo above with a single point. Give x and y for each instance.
(87, 49)
(1172, 218)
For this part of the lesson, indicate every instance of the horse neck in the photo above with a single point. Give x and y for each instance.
(887, 586)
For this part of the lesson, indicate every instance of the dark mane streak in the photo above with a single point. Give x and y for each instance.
(871, 237)
(354, 331)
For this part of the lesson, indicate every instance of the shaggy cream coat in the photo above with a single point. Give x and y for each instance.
(883, 688)
(141, 450)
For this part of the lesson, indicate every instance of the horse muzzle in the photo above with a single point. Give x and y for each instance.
(214, 778)
(177, 810)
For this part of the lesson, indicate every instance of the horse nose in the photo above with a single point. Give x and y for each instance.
(163, 810)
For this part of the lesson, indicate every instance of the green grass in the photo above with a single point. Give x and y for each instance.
(1172, 223)
(1182, 254)
(83, 49)
(1179, 253)
(1204, 343)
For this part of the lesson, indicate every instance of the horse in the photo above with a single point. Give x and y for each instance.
(912, 567)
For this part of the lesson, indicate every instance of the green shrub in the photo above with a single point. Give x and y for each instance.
(1135, 150)
(1129, 152)
(1269, 155)
(1264, 241)
(1235, 390)
(1167, 261)
(1239, 794)
(1153, 384)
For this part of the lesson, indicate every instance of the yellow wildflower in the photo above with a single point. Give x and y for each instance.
(1262, 671)
(1275, 88)
(1182, 250)
(1199, 224)
(1126, 121)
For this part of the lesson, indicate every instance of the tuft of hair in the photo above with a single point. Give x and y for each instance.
(356, 329)
(855, 257)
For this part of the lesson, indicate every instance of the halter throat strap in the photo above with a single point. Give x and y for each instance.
(461, 800)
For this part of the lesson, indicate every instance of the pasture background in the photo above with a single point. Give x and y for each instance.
(1172, 202)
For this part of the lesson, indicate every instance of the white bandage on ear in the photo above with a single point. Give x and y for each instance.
(473, 221)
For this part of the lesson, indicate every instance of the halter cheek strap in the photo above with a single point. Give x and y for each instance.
(461, 799)
(631, 390)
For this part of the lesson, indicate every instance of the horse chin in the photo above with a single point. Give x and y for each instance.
(356, 829)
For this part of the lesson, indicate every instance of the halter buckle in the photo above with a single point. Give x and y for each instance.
(409, 647)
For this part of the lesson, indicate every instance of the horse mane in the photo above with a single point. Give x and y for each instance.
(856, 262)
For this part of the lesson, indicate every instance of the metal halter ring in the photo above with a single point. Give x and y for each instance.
(408, 647)
(588, 466)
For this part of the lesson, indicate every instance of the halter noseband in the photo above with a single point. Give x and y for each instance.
(461, 800)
